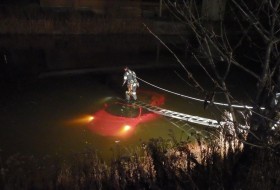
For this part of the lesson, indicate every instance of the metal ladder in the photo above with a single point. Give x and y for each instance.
(177, 115)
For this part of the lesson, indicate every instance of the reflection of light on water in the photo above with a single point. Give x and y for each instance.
(106, 99)
(124, 131)
(80, 120)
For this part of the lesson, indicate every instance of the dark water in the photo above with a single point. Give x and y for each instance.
(44, 115)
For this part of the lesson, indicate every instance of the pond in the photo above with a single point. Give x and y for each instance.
(44, 109)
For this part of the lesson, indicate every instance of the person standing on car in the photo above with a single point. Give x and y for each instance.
(130, 79)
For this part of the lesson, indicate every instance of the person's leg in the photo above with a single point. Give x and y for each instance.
(134, 95)
(127, 95)
(128, 92)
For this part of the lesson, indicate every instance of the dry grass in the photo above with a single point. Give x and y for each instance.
(158, 164)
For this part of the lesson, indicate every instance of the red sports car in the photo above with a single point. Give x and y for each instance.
(118, 118)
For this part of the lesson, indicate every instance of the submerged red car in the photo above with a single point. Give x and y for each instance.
(118, 118)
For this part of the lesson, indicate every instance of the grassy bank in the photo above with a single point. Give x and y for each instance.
(34, 19)
(157, 164)
(70, 26)
(38, 20)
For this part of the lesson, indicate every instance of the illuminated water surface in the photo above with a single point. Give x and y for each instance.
(49, 116)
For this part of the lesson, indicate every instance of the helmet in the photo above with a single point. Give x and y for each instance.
(125, 68)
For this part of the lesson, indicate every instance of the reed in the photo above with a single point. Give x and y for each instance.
(157, 164)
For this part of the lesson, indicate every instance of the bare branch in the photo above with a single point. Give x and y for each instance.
(265, 75)
(233, 61)
(255, 22)
(178, 60)
(205, 70)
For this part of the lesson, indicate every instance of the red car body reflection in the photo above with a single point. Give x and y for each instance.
(117, 118)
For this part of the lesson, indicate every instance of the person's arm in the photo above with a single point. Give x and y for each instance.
(124, 78)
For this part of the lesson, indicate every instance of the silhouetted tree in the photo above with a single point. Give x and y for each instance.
(242, 27)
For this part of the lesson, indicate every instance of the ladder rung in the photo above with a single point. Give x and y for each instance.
(177, 115)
